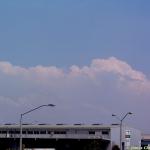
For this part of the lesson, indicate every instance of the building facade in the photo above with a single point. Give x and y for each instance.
(131, 137)
(71, 137)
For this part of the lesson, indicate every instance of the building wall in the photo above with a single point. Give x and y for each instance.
(115, 135)
(130, 136)
(108, 134)
(135, 136)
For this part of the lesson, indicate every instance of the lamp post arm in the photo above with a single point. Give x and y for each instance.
(52, 105)
(124, 116)
(33, 109)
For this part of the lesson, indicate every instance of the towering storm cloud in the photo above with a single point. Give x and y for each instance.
(86, 94)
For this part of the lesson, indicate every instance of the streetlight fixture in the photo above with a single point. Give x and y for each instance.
(21, 116)
(121, 121)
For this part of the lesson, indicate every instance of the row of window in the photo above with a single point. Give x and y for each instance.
(103, 132)
(32, 132)
(45, 132)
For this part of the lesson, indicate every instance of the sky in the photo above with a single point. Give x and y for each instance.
(89, 57)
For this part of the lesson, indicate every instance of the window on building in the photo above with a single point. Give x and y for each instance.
(105, 132)
(36, 132)
(17, 132)
(30, 132)
(42, 132)
(23, 132)
(91, 132)
(3, 132)
(11, 132)
(59, 132)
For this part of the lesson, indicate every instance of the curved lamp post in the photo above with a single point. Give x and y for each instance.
(21, 116)
(121, 120)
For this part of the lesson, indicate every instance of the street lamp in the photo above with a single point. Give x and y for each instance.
(121, 120)
(21, 116)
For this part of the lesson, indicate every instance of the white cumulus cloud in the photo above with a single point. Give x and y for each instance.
(89, 93)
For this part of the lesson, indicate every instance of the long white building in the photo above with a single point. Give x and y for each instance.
(61, 136)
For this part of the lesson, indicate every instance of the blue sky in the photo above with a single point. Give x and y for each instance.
(67, 32)
(44, 45)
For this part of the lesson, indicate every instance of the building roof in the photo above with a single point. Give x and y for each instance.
(57, 126)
